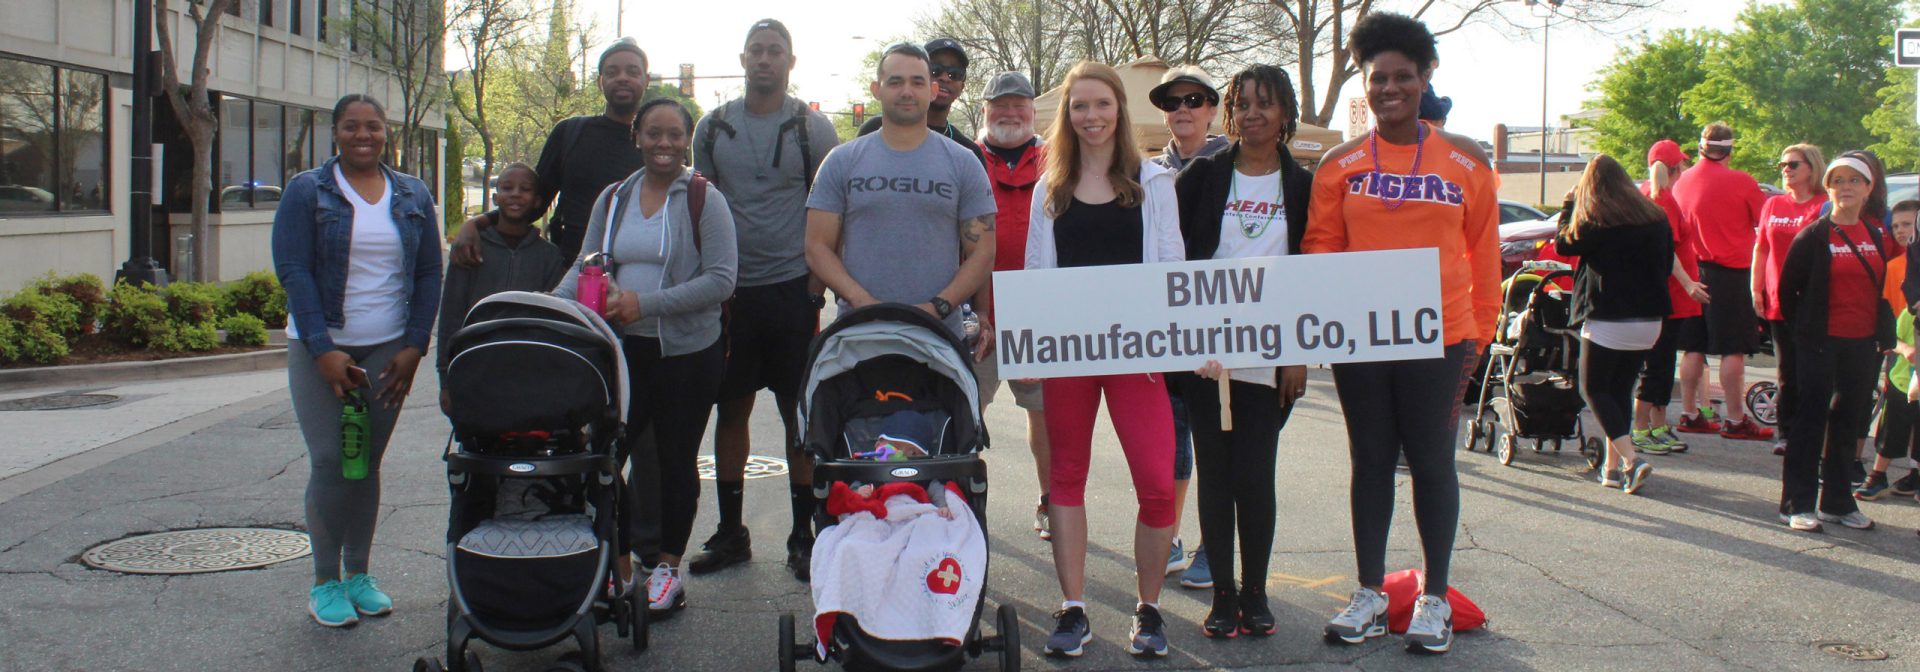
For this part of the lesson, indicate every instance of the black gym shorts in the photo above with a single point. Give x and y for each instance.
(769, 331)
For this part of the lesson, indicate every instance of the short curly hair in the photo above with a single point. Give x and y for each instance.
(1278, 85)
(1381, 32)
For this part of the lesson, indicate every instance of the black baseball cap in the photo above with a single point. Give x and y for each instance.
(774, 25)
(947, 44)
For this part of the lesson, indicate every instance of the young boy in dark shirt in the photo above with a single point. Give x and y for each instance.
(515, 258)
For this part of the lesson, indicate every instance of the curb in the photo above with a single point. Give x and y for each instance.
(121, 372)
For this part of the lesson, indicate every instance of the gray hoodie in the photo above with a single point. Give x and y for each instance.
(533, 265)
(684, 309)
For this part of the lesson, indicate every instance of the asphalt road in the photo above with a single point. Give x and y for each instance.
(1694, 573)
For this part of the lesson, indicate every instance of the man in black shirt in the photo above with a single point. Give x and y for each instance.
(582, 156)
(948, 63)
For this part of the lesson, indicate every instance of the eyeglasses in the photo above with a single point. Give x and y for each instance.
(1791, 165)
(956, 73)
(1192, 101)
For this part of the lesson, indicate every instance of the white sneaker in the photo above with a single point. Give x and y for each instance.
(1803, 522)
(1431, 630)
(664, 593)
(1856, 520)
(1364, 618)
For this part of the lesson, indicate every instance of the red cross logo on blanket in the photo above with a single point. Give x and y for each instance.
(945, 579)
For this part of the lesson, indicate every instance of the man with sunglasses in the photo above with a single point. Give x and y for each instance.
(1187, 96)
(947, 63)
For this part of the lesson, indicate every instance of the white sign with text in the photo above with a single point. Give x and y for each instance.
(1267, 311)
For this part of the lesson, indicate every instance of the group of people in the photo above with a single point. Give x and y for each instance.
(719, 274)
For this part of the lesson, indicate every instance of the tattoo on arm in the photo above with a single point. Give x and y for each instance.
(972, 229)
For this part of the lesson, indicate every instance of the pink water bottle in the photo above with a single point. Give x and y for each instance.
(592, 284)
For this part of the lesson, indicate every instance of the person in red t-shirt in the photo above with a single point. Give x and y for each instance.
(1651, 433)
(1781, 219)
(1721, 205)
(1830, 294)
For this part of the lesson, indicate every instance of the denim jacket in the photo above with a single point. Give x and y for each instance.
(312, 234)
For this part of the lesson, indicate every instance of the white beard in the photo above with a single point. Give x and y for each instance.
(1008, 135)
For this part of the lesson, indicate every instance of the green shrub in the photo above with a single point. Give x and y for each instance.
(195, 302)
(9, 341)
(41, 344)
(85, 289)
(244, 329)
(59, 313)
(259, 294)
(188, 337)
(135, 316)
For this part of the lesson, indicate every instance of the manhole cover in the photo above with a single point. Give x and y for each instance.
(57, 402)
(1851, 651)
(758, 466)
(199, 551)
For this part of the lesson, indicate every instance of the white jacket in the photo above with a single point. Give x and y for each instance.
(1160, 216)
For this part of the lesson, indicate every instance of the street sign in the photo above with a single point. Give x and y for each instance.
(1357, 117)
(1906, 47)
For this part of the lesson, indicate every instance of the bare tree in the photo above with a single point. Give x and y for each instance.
(194, 109)
(407, 35)
(486, 30)
(1319, 28)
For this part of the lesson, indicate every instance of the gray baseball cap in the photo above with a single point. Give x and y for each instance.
(1010, 83)
(1191, 74)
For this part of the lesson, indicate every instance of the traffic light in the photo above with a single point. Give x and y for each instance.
(859, 113)
(686, 80)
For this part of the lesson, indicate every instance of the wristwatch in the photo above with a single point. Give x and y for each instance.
(941, 306)
(819, 301)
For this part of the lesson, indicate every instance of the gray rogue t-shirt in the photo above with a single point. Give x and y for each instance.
(901, 213)
(769, 201)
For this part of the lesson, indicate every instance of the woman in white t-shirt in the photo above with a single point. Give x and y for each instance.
(1249, 200)
(357, 248)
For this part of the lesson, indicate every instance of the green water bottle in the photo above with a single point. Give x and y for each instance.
(355, 429)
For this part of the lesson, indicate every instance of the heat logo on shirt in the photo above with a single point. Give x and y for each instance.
(1423, 188)
(1254, 216)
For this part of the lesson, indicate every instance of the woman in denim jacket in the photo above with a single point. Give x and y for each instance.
(356, 247)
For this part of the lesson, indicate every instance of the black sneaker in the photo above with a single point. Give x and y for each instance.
(724, 549)
(1859, 475)
(1223, 622)
(800, 557)
(1255, 617)
(1906, 485)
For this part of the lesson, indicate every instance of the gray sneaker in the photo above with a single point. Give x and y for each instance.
(1198, 574)
(1071, 632)
(1636, 477)
(1431, 630)
(1611, 479)
(1364, 618)
(1176, 556)
(1149, 636)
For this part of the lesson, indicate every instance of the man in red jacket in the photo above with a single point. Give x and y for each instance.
(1013, 156)
(1722, 205)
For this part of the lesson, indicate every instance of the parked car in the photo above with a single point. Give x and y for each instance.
(237, 194)
(22, 198)
(1520, 242)
(1902, 187)
(1515, 211)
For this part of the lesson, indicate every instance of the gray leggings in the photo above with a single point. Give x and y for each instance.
(340, 513)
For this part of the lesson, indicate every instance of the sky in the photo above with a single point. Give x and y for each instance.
(1492, 73)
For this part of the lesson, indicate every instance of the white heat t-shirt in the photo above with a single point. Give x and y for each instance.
(1254, 225)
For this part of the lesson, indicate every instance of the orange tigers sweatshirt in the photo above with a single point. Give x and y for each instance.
(1452, 204)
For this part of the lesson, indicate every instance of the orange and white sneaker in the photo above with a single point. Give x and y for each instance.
(664, 593)
(1746, 430)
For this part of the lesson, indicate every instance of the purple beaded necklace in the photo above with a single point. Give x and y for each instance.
(1419, 148)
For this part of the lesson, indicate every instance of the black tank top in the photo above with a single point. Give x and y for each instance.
(1098, 234)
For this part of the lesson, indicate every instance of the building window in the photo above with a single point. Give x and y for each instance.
(269, 164)
(266, 12)
(53, 142)
(299, 148)
(322, 137)
(236, 148)
(296, 13)
(321, 16)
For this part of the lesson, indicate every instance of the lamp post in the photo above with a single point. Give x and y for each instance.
(140, 266)
(1546, 34)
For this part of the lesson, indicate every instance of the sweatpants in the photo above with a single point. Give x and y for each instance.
(341, 514)
(1897, 419)
(1656, 377)
(672, 396)
(1835, 379)
(1606, 383)
(1236, 475)
(1142, 416)
(1411, 408)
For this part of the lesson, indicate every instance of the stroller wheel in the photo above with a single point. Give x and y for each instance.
(642, 622)
(1007, 623)
(1763, 400)
(1506, 449)
(428, 665)
(786, 643)
(1475, 432)
(622, 617)
(470, 662)
(1591, 449)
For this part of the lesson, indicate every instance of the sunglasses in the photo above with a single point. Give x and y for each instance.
(1192, 101)
(1791, 165)
(956, 73)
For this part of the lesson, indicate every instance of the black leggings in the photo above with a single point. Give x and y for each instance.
(1606, 383)
(1834, 377)
(1236, 474)
(1408, 407)
(671, 395)
(1785, 352)
(1656, 378)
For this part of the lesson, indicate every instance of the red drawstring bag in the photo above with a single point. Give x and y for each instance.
(1403, 587)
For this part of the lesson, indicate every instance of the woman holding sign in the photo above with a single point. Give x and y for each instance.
(1408, 185)
(1249, 200)
(1102, 204)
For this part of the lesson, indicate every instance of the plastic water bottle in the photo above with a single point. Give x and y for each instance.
(355, 432)
(592, 287)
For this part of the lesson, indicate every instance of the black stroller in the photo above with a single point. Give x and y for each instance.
(872, 363)
(1531, 388)
(538, 389)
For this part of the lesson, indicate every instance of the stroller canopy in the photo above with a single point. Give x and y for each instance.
(526, 359)
(890, 329)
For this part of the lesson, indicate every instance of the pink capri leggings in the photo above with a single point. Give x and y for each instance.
(1138, 405)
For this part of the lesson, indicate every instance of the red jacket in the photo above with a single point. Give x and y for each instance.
(1013, 194)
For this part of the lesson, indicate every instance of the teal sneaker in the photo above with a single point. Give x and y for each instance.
(364, 592)
(328, 605)
(1176, 556)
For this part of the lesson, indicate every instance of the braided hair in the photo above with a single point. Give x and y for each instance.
(1277, 85)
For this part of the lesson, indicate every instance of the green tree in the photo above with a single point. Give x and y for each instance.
(1892, 123)
(1805, 72)
(1641, 94)
(453, 206)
